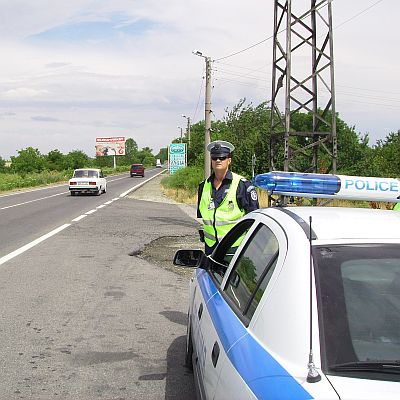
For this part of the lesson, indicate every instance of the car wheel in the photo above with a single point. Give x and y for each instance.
(105, 189)
(98, 193)
(72, 193)
(189, 349)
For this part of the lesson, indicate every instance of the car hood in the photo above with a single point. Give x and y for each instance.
(365, 389)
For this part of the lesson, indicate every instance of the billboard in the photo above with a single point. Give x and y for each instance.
(110, 146)
(176, 156)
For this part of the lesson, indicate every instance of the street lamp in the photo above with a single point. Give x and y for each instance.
(207, 111)
(187, 128)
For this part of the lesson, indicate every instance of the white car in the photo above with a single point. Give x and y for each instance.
(87, 180)
(307, 307)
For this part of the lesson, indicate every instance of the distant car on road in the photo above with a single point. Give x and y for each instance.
(87, 180)
(137, 170)
(158, 163)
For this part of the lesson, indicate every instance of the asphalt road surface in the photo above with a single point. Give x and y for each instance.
(84, 316)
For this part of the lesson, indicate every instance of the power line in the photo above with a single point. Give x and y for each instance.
(270, 37)
(198, 100)
(358, 14)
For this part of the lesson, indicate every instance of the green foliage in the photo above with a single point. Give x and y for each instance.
(3, 167)
(385, 157)
(54, 161)
(186, 178)
(77, 159)
(28, 160)
(15, 181)
(146, 157)
(162, 154)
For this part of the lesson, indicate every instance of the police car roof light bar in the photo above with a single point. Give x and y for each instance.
(329, 186)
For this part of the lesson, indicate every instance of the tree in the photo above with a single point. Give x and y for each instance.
(131, 151)
(55, 160)
(76, 159)
(28, 160)
(385, 157)
(146, 157)
(163, 154)
(2, 165)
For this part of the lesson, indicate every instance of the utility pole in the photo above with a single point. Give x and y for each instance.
(207, 117)
(207, 139)
(187, 129)
(303, 35)
(181, 129)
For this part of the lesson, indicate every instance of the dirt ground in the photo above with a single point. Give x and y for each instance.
(162, 250)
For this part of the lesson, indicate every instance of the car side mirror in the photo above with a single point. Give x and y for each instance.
(190, 258)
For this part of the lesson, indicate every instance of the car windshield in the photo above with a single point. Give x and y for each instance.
(359, 304)
(137, 166)
(84, 173)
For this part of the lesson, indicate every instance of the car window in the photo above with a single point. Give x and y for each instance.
(359, 293)
(252, 271)
(78, 174)
(225, 251)
(92, 174)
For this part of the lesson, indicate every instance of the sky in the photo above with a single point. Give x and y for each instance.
(75, 70)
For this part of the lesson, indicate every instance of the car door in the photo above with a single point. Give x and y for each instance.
(209, 320)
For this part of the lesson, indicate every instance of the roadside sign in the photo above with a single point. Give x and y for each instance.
(176, 156)
(110, 146)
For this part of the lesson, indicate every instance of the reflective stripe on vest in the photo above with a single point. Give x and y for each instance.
(218, 221)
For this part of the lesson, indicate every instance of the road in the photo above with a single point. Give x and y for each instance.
(81, 316)
(28, 215)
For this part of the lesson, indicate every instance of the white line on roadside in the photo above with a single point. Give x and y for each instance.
(140, 184)
(79, 218)
(31, 244)
(28, 246)
(31, 201)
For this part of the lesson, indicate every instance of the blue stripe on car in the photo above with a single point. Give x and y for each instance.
(265, 377)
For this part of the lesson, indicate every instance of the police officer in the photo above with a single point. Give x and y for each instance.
(224, 197)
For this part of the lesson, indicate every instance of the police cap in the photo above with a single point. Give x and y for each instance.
(220, 148)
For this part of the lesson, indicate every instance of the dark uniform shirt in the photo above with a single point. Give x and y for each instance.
(246, 195)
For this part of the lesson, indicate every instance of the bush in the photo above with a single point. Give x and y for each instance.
(186, 179)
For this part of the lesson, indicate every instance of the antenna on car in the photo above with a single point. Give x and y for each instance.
(312, 375)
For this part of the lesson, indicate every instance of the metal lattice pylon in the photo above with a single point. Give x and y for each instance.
(303, 86)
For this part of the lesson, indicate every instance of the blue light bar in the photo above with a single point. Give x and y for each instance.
(329, 186)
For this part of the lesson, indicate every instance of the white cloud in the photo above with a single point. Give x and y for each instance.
(75, 70)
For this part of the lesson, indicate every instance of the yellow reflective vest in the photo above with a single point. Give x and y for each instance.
(217, 221)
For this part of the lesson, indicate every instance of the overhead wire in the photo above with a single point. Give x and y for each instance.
(198, 99)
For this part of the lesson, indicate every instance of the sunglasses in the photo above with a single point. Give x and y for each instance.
(222, 158)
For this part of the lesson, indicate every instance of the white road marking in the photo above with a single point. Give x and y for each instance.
(79, 218)
(32, 190)
(32, 201)
(31, 244)
(28, 246)
(140, 184)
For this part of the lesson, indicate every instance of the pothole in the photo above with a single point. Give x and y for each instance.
(161, 251)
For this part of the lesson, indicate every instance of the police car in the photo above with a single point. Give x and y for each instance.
(308, 305)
